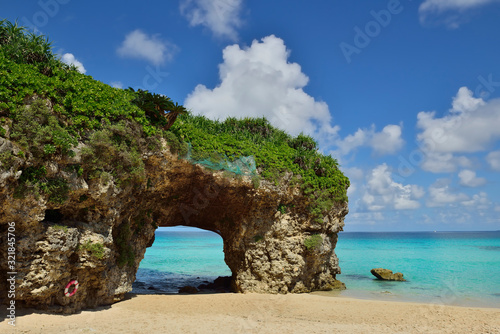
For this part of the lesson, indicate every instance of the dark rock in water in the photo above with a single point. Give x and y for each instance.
(139, 284)
(188, 289)
(151, 288)
(387, 275)
(221, 284)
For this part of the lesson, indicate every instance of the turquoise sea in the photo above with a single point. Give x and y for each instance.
(453, 268)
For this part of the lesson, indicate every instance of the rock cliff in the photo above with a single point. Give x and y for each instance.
(88, 172)
(99, 234)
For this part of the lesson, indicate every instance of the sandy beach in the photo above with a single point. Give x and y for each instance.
(258, 313)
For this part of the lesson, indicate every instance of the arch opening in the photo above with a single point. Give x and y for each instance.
(182, 256)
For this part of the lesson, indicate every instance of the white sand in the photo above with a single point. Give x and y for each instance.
(258, 313)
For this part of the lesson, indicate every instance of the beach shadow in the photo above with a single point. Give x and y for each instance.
(23, 311)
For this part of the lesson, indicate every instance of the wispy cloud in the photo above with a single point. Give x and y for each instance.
(139, 45)
(387, 141)
(222, 17)
(451, 13)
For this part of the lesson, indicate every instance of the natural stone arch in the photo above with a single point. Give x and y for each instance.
(264, 248)
(272, 243)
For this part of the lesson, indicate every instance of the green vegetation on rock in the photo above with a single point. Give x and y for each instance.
(58, 227)
(313, 241)
(276, 153)
(48, 108)
(95, 249)
(125, 251)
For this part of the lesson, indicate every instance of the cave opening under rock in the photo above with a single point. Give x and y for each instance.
(182, 256)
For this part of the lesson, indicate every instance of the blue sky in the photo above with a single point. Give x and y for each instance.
(405, 94)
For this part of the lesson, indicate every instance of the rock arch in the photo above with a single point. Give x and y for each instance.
(272, 244)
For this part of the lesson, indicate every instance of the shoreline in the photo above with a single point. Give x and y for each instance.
(389, 296)
(260, 313)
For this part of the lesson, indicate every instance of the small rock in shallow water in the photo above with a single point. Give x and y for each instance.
(387, 275)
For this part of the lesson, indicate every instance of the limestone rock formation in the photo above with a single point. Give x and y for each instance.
(387, 275)
(99, 234)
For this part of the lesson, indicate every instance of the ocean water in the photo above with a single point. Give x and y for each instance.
(179, 258)
(452, 268)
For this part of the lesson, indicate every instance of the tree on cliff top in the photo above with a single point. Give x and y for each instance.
(159, 108)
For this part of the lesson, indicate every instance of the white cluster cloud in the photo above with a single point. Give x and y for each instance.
(456, 10)
(382, 192)
(478, 201)
(222, 17)
(441, 194)
(259, 81)
(355, 175)
(139, 45)
(464, 101)
(493, 159)
(470, 127)
(387, 141)
(468, 178)
(69, 58)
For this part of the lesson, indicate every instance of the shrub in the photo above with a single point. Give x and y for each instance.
(256, 181)
(258, 238)
(33, 180)
(313, 241)
(95, 249)
(176, 146)
(7, 159)
(24, 47)
(115, 151)
(39, 132)
(57, 189)
(282, 208)
(60, 228)
(275, 153)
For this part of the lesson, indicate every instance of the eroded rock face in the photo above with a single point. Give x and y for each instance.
(100, 234)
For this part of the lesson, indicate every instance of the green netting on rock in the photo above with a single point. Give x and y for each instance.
(215, 161)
